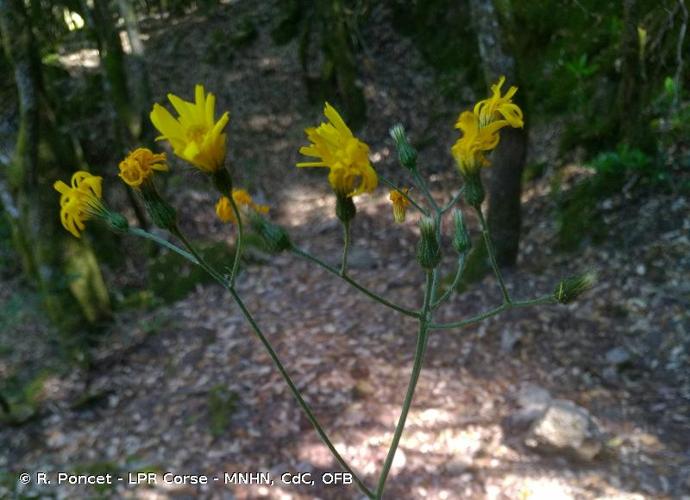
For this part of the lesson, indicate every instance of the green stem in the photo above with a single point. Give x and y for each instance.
(453, 201)
(422, 338)
(163, 242)
(421, 184)
(199, 259)
(546, 299)
(296, 393)
(406, 195)
(194, 257)
(492, 256)
(346, 248)
(238, 243)
(307, 256)
(454, 285)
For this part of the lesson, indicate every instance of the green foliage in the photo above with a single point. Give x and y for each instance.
(579, 216)
(221, 406)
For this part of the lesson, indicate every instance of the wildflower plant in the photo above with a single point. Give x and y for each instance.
(199, 139)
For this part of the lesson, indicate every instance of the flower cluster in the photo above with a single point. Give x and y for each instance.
(400, 203)
(346, 156)
(80, 201)
(243, 201)
(480, 128)
(194, 135)
(139, 166)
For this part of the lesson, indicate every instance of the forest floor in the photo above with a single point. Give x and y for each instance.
(187, 388)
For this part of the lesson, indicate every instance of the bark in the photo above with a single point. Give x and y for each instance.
(631, 88)
(141, 85)
(508, 160)
(59, 268)
(102, 29)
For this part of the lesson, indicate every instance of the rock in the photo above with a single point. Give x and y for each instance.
(565, 428)
(618, 356)
(532, 401)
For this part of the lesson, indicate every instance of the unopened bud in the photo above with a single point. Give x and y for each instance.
(474, 190)
(428, 249)
(275, 237)
(162, 213)
(345, 208)
(406, 153)
(571, 288)
(461, 238)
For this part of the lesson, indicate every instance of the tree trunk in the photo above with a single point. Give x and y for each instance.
(64, 270)
(632, 82)
(508, 160)
(141, 85)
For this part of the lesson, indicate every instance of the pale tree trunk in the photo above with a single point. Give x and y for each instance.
(508, 160)
(63, 269)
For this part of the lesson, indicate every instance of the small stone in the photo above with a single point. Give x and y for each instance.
(566, 428)
(618, 356)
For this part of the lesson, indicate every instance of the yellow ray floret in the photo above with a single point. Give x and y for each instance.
(346, 156)
(140, 165)
(480, 128)
(400, 204)
(80, 201)
(194, 135)
(497, 107)
(244, 202)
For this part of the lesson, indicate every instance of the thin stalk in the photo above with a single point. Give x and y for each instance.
(454, 284)
(373, 295)
(492, 256)
(453, 201)
(546, 299)
(424, 188)
(346, 248)
(296, 393)
(193, 256)
(163, 242)
(199, 259)
(407, 196)
(238, 243)
(422, 338)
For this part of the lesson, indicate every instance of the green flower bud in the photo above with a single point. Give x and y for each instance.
(571, 288)
(406, 153)
(162, 213)
(461, 239)
(345, 208)
(222, 181)
(276, 237)
(474, 190)
(428, 249)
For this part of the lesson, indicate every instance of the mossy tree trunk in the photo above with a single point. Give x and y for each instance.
(508, 161)
(64, 270)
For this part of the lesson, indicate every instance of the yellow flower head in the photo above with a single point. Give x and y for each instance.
(480, 128)
(346, 156)
(400, 204)
(80, 201)
(140, 165)
(497, 107)
(194, 135)
(244, 202)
